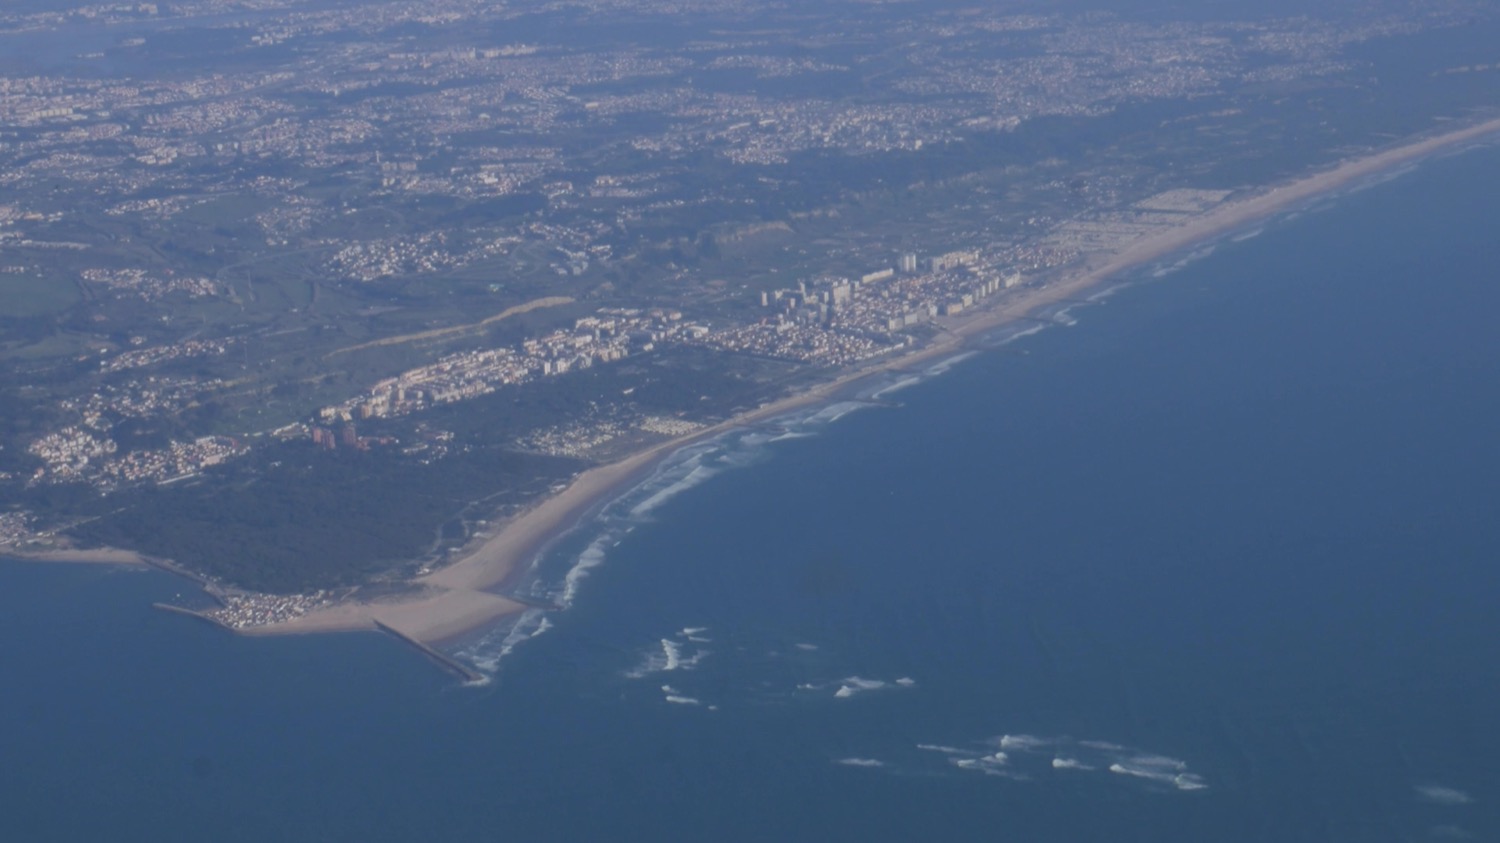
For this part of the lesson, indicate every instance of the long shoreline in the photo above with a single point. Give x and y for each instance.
(454, 599)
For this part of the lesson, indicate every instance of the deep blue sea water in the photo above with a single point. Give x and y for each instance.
(1218, 562)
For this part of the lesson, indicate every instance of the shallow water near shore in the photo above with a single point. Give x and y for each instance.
(1217, 562)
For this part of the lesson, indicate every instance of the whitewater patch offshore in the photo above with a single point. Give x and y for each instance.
(1442, 795)
(676, 697)
(853, 685)
(683, 652)
(740, 671)
(1036, 758)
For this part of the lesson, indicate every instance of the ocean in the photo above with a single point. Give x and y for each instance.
(1213, 557)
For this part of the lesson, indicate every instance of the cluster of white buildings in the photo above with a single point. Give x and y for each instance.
(582, 439)
(668, 426)
(76, 454)
(610, 334)
(839, 321)
(366, 261)
(138, 282)
(246, 610)
(160, 354)
(576, 439)
(174, 462)
(804, 342)
(1111, 230)
(138, 399)
(15, 528)
(70, 454)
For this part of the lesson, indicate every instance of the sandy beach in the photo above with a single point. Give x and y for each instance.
(96, 556)
(454, 599)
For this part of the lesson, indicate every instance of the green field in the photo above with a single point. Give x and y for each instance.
(28, 296)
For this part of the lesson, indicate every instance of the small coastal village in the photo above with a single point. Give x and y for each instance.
(243, 611)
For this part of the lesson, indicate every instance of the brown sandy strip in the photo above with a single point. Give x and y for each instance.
(92, 556)
(439, 333)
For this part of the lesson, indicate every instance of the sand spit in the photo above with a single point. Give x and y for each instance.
(432, 615)
(93, 556)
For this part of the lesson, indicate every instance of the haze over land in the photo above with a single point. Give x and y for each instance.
(305, 296)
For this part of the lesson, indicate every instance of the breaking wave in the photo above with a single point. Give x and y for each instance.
(906, 379)
(1143, 773)
(1163, 270)
(946, 750)
(1443, 795)
(1005, 336)
(897, 386)
(855, 685)
(669, 655)
(942, 367)
(485, 653)
(672, 696)
(1033, 758)
(851, 686)
(689, 468)
(1380, 178)
(1025, 743)
(1108, 293)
